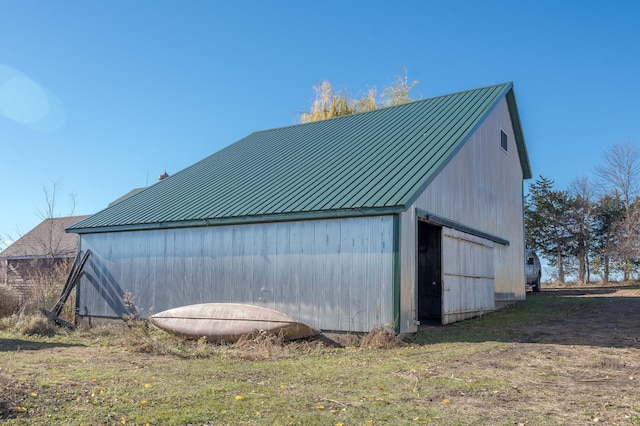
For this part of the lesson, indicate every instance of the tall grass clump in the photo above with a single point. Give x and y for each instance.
(380, 337)
(36, 325)
(28, 325)
(8, 323)
(10, 304)
(260, 345)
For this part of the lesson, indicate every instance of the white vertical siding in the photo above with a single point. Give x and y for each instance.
(481, 187)
(334, 274)
(467, 275)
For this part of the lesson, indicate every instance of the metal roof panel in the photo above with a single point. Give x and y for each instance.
(374, 160)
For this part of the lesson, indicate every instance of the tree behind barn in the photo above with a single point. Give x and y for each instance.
(607, 223)
(547, 225)
(580, 219)
(619, 176)
(398, 93)
(329, 104)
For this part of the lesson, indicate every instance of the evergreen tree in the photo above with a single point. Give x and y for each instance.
(547, 225)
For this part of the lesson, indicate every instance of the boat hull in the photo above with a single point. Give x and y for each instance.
(229, 322)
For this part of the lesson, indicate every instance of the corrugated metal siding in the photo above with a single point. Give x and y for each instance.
(467, 275)
(487, 195)
(334, 274)
(373, 160)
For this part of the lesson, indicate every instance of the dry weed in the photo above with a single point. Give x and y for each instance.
(28, 325)
(39, 325)
(381, 337)
(138, 338)
(47, 279)
(260, 345)
(8, 323)
(10, 301)
(41, 290)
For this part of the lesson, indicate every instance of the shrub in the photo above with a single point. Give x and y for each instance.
(381, 337)
(28, 325)
(8, 323)
(41, 288)
(260, 345)
(10, 301)
(36, 325)
(48, 289)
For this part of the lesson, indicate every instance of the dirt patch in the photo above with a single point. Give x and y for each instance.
(566, 384)
(581, 368)
(614, 321)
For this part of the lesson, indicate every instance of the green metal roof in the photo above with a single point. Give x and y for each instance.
(369, 163)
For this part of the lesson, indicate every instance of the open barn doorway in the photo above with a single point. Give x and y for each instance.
(429, 273)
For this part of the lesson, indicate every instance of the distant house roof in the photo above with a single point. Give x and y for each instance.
(48, 239)
(369, 163)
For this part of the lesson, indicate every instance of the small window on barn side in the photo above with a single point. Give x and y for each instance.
(503, 140)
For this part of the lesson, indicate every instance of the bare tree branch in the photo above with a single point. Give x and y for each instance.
(619, 176)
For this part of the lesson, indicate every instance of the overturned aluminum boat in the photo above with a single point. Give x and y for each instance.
(229, 321)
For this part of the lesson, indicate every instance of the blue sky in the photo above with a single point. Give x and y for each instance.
(102, 97)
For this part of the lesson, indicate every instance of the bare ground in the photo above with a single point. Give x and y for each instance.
(614, 322)
(581, 368)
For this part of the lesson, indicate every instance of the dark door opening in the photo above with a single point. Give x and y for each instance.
(429, 273)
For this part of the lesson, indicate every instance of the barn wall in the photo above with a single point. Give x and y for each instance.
(481, 187)
(334, 274)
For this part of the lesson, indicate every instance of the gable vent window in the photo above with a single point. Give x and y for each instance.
(503, 140)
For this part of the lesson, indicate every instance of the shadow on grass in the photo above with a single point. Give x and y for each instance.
(15, 345)
(586, 316)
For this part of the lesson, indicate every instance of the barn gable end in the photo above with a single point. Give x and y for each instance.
(477, 200)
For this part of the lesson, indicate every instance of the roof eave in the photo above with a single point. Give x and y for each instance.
(242, 220)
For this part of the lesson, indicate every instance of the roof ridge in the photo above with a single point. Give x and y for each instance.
(413, 101)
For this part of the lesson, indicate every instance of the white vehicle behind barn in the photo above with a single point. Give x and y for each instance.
(532, 270)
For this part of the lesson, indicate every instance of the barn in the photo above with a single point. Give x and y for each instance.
(398, 216)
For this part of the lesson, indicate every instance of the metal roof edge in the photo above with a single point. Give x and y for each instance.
(463, 140)
(519, 134)
(243, 220)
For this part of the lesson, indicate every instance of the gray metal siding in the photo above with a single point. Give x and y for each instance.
(334, 274)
